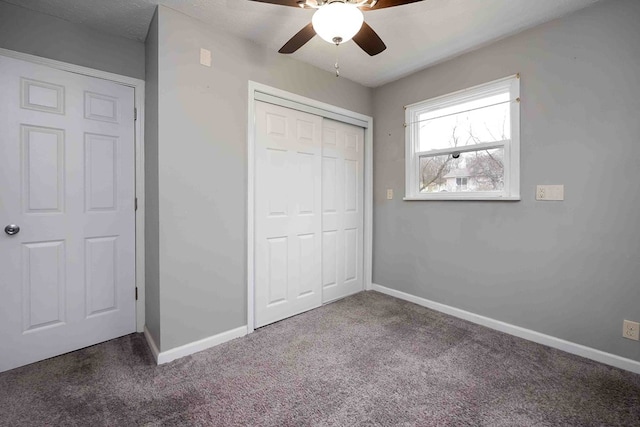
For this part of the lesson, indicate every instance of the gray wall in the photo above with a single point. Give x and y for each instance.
(202, 168)
(151, 218)
(568, 269)
(24, 30)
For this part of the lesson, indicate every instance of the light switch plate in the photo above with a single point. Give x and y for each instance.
(550, 192)
(205, 57)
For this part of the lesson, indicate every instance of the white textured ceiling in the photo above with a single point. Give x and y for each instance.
(417, 35)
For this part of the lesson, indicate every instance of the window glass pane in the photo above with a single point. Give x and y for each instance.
(481, 170)
(465, 124)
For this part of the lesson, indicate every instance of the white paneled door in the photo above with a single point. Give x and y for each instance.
(288, 213)
(342, 209)
(308, 211)
(67, 277)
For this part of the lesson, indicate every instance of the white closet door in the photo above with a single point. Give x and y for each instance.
(342, 209)
(288, 220)
(67, 278)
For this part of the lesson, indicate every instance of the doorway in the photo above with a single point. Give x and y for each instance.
(68, 241)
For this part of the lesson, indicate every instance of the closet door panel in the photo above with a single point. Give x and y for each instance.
(288, 220)
(342, 209)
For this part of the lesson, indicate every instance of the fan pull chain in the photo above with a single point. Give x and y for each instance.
(337, 65)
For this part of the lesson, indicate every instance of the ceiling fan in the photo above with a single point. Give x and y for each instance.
(338, 21)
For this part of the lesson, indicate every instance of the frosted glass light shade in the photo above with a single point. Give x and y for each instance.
(336, 21)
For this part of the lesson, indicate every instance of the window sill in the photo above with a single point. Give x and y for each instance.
(461, 198)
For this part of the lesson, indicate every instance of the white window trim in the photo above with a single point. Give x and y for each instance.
(511, 147)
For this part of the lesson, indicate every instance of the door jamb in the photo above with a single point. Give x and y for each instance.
(288, 98)
(138, 87)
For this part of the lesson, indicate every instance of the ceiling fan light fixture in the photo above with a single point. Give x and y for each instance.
(337, 22)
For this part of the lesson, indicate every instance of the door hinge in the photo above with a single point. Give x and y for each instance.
(136, 293)
(135, 114)
(135, 204)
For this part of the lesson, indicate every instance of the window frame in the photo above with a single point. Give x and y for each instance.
(511, 191)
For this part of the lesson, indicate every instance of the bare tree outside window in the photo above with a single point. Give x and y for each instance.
(486, 169)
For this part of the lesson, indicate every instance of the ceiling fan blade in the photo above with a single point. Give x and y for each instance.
(299, 40)
(369, 40)
(381, 4)
(292, 3)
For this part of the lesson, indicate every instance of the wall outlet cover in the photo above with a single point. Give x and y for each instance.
(631, 330)
(550, 192)
(205, 57)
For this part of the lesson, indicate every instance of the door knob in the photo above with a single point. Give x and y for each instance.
(12, 229)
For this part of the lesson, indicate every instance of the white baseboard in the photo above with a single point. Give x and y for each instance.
(528, 334)
(152, 343)
(193, 347)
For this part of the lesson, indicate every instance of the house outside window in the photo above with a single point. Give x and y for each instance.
(465, 145)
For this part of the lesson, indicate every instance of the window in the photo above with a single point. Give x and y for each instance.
(461, 184)
(465, 145)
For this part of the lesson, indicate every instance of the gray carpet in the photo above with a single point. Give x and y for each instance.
(368, 360)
